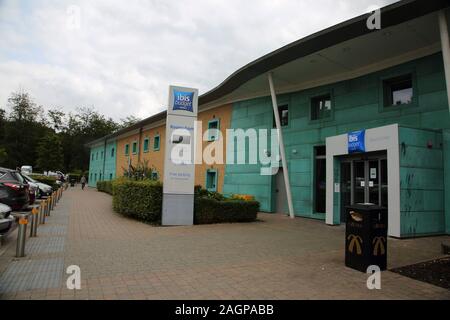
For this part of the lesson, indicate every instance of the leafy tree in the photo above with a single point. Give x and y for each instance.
(50, 153)
(3, 156)
(128, 121)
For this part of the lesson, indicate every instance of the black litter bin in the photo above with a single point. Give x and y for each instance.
(366, 237)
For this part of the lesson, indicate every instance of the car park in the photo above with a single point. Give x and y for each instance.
(14, 191)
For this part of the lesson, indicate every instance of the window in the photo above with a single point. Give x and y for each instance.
(213, 130)
(96, 156)
(320, 178)
(211, 180)
(146, 145)
(91, 176)
(110, 176)
(92, 156)
(100, 176)
(134, 147)
(112, 152)
(321, 107)
(101, 157)
(95, 177)
(156, 143)
(154, 175)
(398, 91)
(127, 149)
(283, 113)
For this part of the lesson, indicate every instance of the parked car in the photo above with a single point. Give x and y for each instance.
(33, 189)
(14, 191)
(6, 220)
(44, 189)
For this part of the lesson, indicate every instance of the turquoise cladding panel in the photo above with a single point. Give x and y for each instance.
(102, 163)
(357, 104)
(421, 182)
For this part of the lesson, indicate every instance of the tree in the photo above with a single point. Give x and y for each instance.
(56, 119)
(128, 121)
(3, 156)
(50, 153)
(23, 109)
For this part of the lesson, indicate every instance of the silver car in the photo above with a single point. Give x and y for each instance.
(44, 189)
(6, 220)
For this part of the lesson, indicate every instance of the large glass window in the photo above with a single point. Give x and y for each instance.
(398, 91)
(321, 107)
(320, 178)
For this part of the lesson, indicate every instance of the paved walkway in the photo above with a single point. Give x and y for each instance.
(276, 258)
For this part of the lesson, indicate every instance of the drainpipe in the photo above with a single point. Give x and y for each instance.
(445, 50)
(281, 144)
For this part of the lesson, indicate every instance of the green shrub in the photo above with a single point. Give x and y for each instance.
(207, 210)
(141, 200)
(51, 181)
(105, 186)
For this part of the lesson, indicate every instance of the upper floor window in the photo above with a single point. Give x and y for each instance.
(92, 156)
(134, 147)
(321, 107)
(112, 152)
(96, 156)
(213, 130)
(146, 141)
(398, 91)
(101, 157)
(127, 149)
(156, 143)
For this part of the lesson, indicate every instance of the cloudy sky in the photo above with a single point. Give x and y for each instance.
(120, 56)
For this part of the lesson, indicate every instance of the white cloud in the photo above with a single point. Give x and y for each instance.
(124, 54)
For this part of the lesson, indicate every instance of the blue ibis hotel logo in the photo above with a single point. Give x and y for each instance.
(356, 141)
(183, 100)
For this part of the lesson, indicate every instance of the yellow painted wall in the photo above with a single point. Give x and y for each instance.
(121, 158)
(156, 158)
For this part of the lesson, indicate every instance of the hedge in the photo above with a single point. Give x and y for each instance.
(141, 200)
(51, 181)
(207, 211)
(105, 186)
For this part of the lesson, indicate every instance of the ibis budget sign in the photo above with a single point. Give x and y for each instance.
(356, 141)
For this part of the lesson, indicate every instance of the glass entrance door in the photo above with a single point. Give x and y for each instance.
(363, 180)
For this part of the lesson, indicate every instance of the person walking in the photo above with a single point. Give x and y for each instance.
(83, 182)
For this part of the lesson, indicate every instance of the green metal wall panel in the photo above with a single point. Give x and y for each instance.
(103, 168)
(357, 104)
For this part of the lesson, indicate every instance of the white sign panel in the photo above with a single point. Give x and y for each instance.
(179, 167)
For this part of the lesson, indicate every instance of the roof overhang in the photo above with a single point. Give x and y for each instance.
(409, 29)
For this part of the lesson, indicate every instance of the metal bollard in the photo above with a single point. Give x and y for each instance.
(42, 212)
(47, 207)
(21, 236)
(34, 222)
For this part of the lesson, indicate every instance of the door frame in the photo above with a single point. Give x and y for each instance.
(376, 139)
